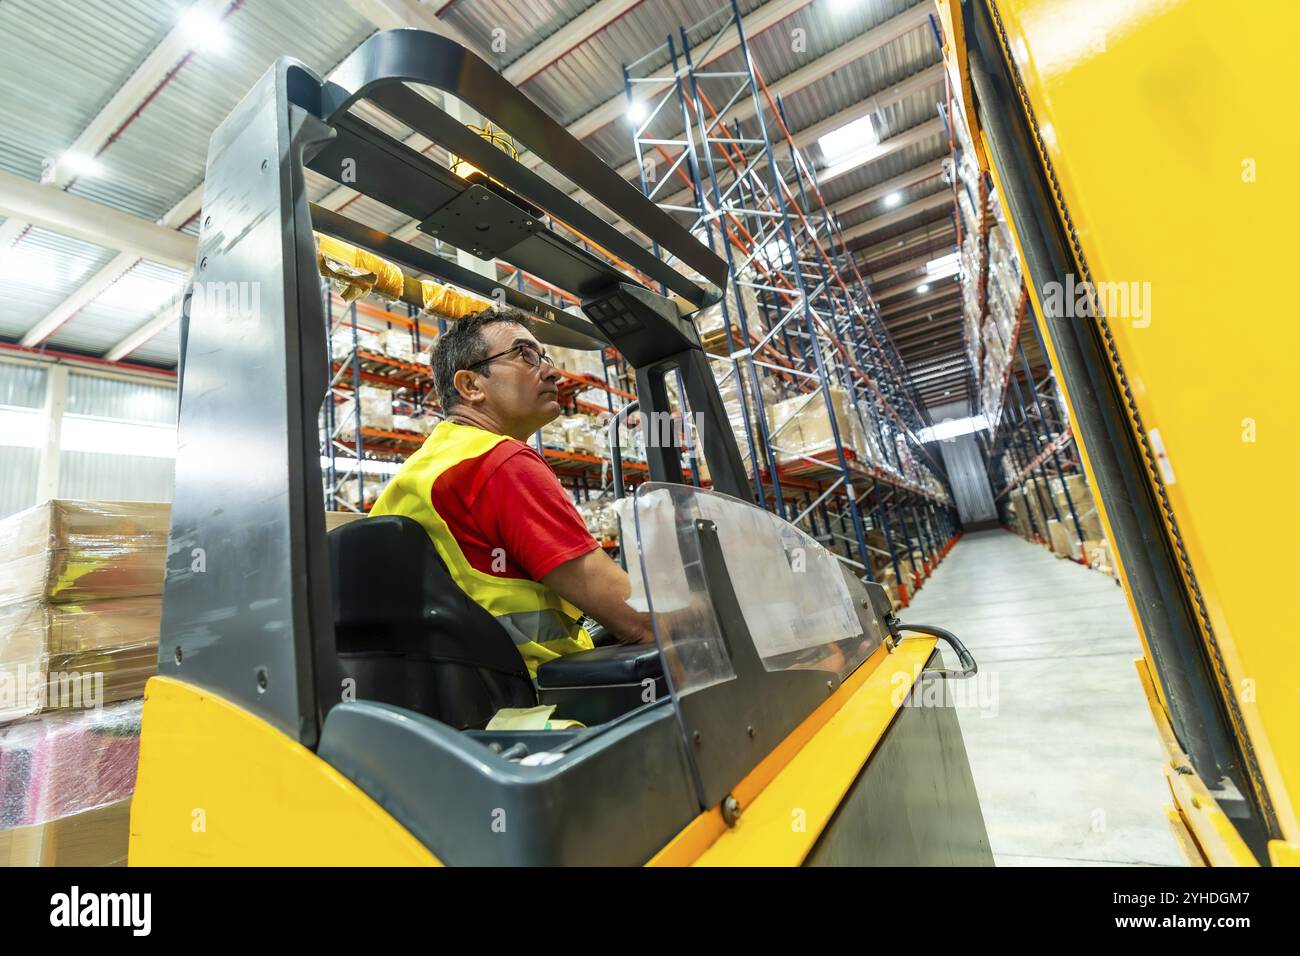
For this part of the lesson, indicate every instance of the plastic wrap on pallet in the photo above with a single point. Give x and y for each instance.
(553, 435)
(420, 424)
(65, 550)
(578, 361)
(800, 426)
(601, 519)
(397, 343)
(60, 764)
(341, 341)
(582, 435)
(55, 656)
(362, 492)
(376, 412)
(711, 321)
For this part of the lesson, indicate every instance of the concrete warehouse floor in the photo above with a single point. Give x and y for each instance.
(1061, 744)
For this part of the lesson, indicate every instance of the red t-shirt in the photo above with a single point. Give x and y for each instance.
(510, 514)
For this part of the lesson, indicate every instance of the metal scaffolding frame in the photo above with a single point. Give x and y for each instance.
(810, 321)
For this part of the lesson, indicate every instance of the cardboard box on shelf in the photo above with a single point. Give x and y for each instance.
(801, 426)
(711, 323)
(553, 435)
(1100, 557)
(582, 435)
(65, 550)
(1061, 535)
(578, 361)
(1084, 506)
(362, 492)
(376, 412)
(398, 344)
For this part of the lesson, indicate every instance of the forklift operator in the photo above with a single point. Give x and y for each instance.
(505, 527)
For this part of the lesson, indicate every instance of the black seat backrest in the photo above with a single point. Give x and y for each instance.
(408, 635)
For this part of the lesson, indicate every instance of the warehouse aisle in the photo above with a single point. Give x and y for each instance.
(1061, 743)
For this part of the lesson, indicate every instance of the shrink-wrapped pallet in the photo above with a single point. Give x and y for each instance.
(55, 656)
(376, 412)
(800, 427)
(65, 782)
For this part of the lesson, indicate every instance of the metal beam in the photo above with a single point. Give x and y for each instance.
(574, 33)
(138, 86)
(880, 275)
(88, 291)
(908, 137)
(760, 20)
(938, 230)
(52, 208)
(161, 320)
(108, 122)
(913, 282)
(881, 190)
(937, 200)
(913, 301)
(809, 135)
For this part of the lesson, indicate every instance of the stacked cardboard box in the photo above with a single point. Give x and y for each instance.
(80, 605)
(1101, 557)
(1084, 506)
(80, 594)
(583, 434)
(578, 361)
(1063, 539)
(376, 412)
(601, 519)
(801, 427)
(711, 323)
(363, 492)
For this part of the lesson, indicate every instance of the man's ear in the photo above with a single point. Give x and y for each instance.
(466, 383)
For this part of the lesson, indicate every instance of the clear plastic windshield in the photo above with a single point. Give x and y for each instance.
(800, 608)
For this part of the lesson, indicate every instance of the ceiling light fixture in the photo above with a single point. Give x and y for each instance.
(203, 32)
(80, 164)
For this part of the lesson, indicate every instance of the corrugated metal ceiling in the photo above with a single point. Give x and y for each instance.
(66, 58)
(60, 62)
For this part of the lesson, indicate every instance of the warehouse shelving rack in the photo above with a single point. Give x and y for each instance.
(412, 386)
(811, 322)
(1029, 434)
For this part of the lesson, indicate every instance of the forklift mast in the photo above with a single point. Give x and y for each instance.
(246, 601)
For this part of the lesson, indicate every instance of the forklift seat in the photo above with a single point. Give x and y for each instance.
(408, 635)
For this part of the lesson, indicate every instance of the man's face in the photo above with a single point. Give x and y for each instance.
(520, 397)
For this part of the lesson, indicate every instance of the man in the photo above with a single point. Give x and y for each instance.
(497, 514)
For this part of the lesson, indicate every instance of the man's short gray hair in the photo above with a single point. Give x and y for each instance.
(463, 345)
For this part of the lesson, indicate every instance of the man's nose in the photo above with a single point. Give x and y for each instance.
(549, 371)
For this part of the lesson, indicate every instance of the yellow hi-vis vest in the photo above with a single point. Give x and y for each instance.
(542, 624)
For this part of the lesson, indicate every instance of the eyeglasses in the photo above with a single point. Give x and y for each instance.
(529, 353)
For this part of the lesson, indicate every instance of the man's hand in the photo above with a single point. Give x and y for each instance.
(600, 588)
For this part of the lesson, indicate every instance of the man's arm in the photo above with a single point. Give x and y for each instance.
(600, 588)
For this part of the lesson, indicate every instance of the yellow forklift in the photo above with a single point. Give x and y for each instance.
(323, 699)
(1150, 144)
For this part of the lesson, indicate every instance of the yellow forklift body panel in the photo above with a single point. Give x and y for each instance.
(217, 786)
